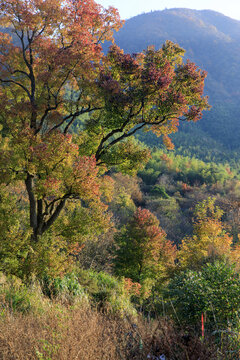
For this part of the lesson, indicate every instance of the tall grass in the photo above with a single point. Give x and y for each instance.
(33, 326)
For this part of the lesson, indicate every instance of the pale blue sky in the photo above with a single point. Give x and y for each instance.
(129, 8)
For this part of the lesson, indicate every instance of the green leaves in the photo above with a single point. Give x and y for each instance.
(215, 291)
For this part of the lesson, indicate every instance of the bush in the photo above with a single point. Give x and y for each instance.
(67, 287)
(111, 295)
(214, 291)
(160, 191)
(17, 297)
(105, 291)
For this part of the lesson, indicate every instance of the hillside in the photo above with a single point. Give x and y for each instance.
(211, 40)
(110, 250)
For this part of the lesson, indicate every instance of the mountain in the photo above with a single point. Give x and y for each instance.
(212, 41)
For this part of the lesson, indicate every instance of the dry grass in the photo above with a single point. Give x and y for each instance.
(58, 330)
(63, 333)
(59, 334)
(177, 344)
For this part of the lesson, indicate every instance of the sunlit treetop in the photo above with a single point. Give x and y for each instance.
(55, 44)
(151, 91)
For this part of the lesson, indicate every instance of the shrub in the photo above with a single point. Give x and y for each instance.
(214, 291)
(17, 297)
(160, 191)
(111, 294)
(143, 251)
(67, 287)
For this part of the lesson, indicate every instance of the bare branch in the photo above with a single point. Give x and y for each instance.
(73, 116)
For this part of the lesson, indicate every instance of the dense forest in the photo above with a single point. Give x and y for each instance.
(113, 243)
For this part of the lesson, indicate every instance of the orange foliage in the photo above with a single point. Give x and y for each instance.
(144, 252)
(132, 288)
(186, 187)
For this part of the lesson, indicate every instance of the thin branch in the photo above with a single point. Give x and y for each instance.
(76, 114)
(101, 147)
(69, 124)
(108, 136)
(115, 141)
(21, 72)
(18, 84)
(46, 112)
(126, 135)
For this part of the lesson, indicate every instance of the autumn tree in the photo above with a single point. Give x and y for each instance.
(152, 90)
(53, 76)
(209, 240)
(143, 251)
(41, 77)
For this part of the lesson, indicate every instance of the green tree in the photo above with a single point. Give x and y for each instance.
(213, 290)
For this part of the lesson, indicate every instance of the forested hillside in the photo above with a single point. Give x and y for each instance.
(110, 249)
(211, 40)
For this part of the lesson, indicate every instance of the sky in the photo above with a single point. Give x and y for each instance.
(130, 8)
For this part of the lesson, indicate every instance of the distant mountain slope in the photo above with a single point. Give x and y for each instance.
(212, 41)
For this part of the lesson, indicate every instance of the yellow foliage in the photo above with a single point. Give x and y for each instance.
(209, 239)
(235, 255)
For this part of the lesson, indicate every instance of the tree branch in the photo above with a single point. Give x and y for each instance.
(54, 216)
(74, 115)
(18, 84)
(21, 72)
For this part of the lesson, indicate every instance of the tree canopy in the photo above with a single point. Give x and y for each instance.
(143, 250)
(53, 76)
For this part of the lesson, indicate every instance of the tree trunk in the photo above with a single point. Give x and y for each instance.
(37, 222)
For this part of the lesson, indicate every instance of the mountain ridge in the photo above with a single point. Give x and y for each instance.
(212, 41)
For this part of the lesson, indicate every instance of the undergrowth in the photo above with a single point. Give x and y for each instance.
(54, 326)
